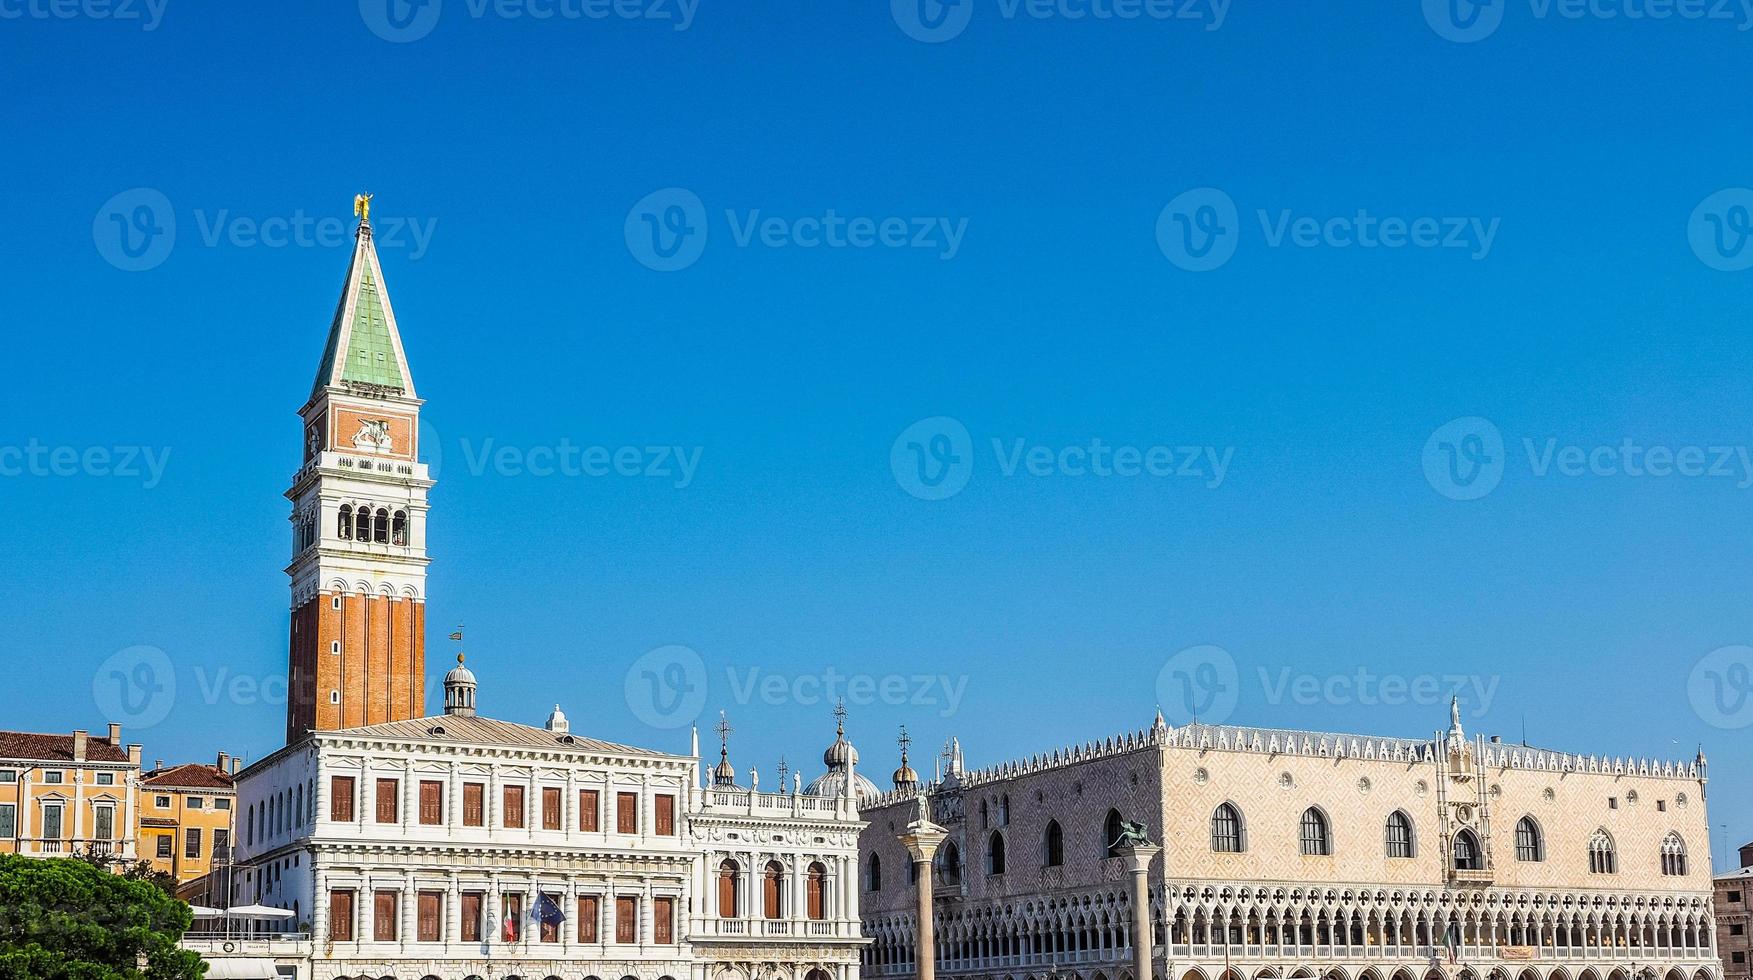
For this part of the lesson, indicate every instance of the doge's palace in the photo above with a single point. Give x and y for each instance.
(1288, 854)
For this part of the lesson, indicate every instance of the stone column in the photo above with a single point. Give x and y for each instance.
(1138, 858)
(922, 839)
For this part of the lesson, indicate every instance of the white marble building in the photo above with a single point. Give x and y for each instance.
(457, 847)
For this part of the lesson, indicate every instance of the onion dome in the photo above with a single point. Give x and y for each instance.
(842, 762)
(905, 777)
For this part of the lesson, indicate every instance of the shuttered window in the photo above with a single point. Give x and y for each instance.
(472, 904)
(514, 806)
(341, 799)
(550, 808)
(589, 907)
(474, 808)
(627, 813)
(626, 920)
(383, 927)
(431, 803)
(341, 916)
(589, 801)
(663, 920)
(386, 800)
(666, 815)
(431, 916)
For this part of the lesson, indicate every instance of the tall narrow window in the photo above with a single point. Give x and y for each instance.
(1111, 834)
(399, 528)
(380, 531)
(665, 815)
(1399, 835)
(1468, 856)
(513, 815)
(550, 808)
(729, 906)
(1602, 860)
(341, 799)
(191, 841)
(474, 805)
(873, 874)
(547, 907)
(431, 916)
(511, 926)
(995, 854)
(341, 916)
(626, 919)
(431, 802)
(627, 813)
(816, 892)
(589, 909)
(362, 523)
(1053, 846)
(387, 791)
(663, 921)
(1529, 845)
(772, 890)
(1673, 855)
(589, 804)
(1315, 839)
(1226, 829)
(383, 927)
(344, 524)
(472, 906)
(106, 823)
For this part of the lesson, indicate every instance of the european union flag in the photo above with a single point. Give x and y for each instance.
(547, 911)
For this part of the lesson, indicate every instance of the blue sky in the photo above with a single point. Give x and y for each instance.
(1572, 183)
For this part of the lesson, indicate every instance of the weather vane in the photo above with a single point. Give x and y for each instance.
(458, 637)
(784, 770)
(905, 741)
(724, 730)
(840, 716)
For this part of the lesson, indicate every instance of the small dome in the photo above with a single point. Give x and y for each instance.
(724, 775)
(905, 777)
(557, 722)
(459, 690)
(833, 784)
(460, 674)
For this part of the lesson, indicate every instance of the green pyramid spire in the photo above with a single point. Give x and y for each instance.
(364, 330)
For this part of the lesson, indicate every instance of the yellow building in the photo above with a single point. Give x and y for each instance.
(68, 794)
(187, 817)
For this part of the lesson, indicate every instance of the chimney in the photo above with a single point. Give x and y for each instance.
(236, 766)
(115, 735)
(1747, 855)
(157, 764)
(1497, 739)
(79, 736)
(134, 753)
(224, 763)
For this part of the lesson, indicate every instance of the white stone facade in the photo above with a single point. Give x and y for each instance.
(1412, 837)
(452, 829)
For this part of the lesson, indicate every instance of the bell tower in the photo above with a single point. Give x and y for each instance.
(357, 640)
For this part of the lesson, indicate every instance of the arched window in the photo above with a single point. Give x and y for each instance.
(1673, 855)
(1399, 835)
(362, 523)
(772, 883)
(1226, 829)
(1467, 854)
(1530, 843)
(399, 528)
(1602, 860)
(729, 890)
(249, 825)
(1053, 846)
(380, 531)
(1004, 810)
(344, 523)
(995, 854)
(298, 807)
(1111, 834)
(949, 864)
(816, 892)
(1315, 838)
(985, 816)
(873, 874)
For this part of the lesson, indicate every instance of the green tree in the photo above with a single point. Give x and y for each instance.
(69, 919)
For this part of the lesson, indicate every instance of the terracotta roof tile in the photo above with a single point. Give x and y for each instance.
(57, 748)
(193, 775)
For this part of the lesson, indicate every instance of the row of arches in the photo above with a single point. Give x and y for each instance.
(374, 526)
(773, 890)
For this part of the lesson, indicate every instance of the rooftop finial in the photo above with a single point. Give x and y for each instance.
(724, 731)
(840, 717)
(457, 636)
(362, 208)
(906, 742)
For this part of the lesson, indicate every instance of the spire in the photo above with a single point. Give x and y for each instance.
(905, 778)
(724, 775)
(364, 353)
